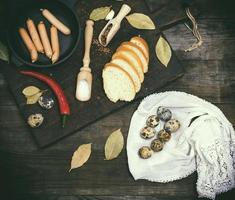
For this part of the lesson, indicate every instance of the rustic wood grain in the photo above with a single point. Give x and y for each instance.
(30, 174)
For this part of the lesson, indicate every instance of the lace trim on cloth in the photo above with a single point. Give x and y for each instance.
(218, 177)
(174, 178)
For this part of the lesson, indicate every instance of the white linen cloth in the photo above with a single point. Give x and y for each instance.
(207, 145)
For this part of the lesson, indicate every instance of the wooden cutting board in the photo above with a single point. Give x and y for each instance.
(84, 114)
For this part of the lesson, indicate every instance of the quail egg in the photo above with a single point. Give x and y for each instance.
(46, 102)
(147, 132)
(145, 152)
(35, 120)
(156, 145)
(172, 125)
(164, 136)
(163, 113)
(152, 121)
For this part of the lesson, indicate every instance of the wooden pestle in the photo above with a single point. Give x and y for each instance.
(85, 75)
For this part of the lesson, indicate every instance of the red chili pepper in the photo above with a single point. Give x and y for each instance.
(62, 100)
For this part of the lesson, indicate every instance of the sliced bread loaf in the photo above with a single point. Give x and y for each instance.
(142, 44)
(122, 63)
(117, 84)
(139, 52)
(133, 59)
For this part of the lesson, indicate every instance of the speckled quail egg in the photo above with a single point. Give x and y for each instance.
(163, 113)
(147, 132)
(172, 125)
(164, 136)
(156, 145)
(35, 120)
(152, 121)
(46, 102)
(145, 152)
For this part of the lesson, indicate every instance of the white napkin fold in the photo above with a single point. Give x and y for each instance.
(207, 145)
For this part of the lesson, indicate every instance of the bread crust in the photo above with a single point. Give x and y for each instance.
(123, 48)
(141, 40)
(130, 45)
(136, 46)
(120, 53)
(135, 79)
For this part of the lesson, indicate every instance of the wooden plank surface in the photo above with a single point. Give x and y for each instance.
(167, 13)
(27, 173)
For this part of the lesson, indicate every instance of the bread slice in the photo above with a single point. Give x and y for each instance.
(133, 59)
(139, 52)
(117, 84)
(142, 44)
(120, 62)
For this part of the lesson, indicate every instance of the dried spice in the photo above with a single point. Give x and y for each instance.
(163, 51)
(80, 156)
(100, 47)
(114, 145)
(32, 94)
(99, 13)
(105, 34)
(34, 98)
(140, 21)
(30, 91)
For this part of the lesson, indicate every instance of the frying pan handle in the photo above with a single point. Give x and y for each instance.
(70, 3)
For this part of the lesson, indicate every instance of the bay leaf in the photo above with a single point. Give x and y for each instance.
(4, 53)
(163, 51)
(140, 21)
(80, 156)
(30, 91)
(34, 98)
(114, 145)
(99, 13)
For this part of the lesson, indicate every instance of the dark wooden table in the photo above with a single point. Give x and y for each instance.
(27, 173)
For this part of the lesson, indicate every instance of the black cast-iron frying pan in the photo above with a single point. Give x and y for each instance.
(63, 10)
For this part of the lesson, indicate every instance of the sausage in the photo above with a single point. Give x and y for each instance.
(54, 21)
(34, 35)
(29, 44)
(55, 44)
(45, 40)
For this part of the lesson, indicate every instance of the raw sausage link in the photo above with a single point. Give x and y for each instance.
(45, 40)
(34, 35)
(54, 21)
(55, 44)
(29, 44)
